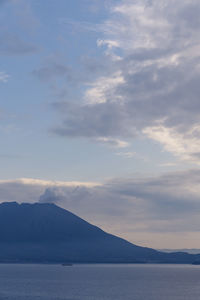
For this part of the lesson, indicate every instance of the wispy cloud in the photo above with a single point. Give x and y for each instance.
(81, 26)
(112, 142)
(132, 155)
(103, 89)
(42, 182)
(4, 77)
(168, 164)
(12, 44)
(184, 145)
(16, 35)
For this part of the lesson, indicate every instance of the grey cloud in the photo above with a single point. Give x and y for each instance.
(52, 70)
(51, 195)
(62, 195)
(190, 14)
(102, 120)
(164, 197)
(93, 67)
(17, 191)
(173, 94)
(12, 44)
(159, 65)
(154, 204)
(16, 36)
(56, 72)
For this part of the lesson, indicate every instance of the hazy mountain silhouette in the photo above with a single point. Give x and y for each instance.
(44, 232)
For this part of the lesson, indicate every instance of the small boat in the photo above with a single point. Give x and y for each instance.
(67, 265)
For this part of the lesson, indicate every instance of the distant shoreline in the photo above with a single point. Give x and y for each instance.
(92, 263)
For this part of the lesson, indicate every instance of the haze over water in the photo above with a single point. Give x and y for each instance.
(99, 282)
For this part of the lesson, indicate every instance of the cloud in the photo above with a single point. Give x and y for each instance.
(17, 26)
(51, 70)
(184, 145)
(112, 142)
(150, 79)
(170, 164)
(4, 77)
(103, 120)
(97, 7)
(80, 26)
(70, 194)
(43, 183)
(131, 207)
(100, 90)
(12, 44)
(56, 72)
(131, 155)
(52, 195)
(33, 190)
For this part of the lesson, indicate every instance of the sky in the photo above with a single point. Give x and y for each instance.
(100, 113)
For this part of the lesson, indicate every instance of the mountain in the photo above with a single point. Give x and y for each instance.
(44, 232)
(191, 251)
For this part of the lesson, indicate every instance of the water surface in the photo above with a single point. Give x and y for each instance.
(99, 282)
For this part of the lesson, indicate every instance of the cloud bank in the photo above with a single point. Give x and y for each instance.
(139, 209)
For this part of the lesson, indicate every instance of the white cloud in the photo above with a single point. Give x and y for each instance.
(103, 88)
(141, 24)
(46, 183)
(4, 77)
(169, 164)
(127, 154)
(131, 154)
(185, 145)
(112, 142)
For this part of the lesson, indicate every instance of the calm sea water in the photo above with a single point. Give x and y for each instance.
(99, 282)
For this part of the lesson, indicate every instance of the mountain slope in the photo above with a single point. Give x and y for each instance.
(47, 233)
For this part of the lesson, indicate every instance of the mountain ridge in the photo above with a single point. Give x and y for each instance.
(45, 232)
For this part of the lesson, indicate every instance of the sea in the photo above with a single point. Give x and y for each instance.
(99, 282)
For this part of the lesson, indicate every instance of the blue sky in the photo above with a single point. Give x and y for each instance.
(99, 92)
